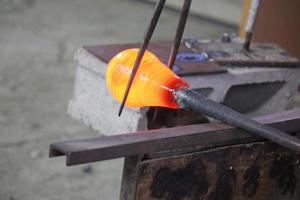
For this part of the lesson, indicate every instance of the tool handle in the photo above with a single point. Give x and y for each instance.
(252, 16)
(250, 23)
(190, 100)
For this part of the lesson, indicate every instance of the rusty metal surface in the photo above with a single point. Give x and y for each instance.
(260, 171)
(220, 54)
(129, 178)
(261, 54)
(162, 50)
(202, 136)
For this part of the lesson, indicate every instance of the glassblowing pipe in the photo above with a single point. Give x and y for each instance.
(156, 85)
(190, 100)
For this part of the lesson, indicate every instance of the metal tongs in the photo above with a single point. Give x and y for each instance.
(147, 37)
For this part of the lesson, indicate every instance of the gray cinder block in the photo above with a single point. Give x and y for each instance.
(251, 90)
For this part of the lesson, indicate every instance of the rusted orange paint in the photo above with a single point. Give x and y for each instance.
(152, 85)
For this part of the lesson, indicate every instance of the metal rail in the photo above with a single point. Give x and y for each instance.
(202, 136)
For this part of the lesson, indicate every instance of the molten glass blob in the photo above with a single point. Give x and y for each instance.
(152, 86)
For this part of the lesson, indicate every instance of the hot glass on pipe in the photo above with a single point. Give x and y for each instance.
(157, 85)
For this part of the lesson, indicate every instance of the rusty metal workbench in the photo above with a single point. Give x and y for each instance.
(205, 161)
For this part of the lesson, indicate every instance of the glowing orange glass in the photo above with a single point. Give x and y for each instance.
(152, 85)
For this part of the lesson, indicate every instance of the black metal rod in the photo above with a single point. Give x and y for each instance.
(252, 15)
(147, 37)
(248, 39)
(177, 40)
(191, 100)
(179, 32)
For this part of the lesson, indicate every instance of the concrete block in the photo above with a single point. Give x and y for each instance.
(250, 90)
(92, 104)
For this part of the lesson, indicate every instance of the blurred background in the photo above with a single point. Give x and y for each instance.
(37, 42)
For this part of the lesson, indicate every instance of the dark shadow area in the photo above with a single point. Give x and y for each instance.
(247, 98)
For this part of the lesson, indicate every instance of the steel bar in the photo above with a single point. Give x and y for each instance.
(190, 100)
(202, 136)
(147, 37)
(177, 40)
(250, 23)
(179, 32)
